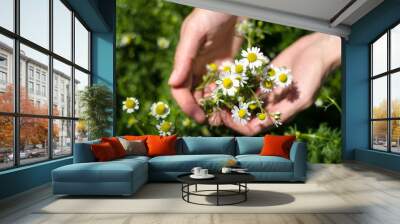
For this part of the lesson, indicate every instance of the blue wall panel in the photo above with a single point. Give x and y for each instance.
(103, 63)
(355, 122)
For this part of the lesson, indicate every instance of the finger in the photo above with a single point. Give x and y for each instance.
(198, 96)
(254, 126)
(186, 51)
(215, 119)
(287, 109)
(187, 103)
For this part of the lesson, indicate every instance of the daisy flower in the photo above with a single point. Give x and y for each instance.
(277, 118)
(266, 85)
(241, 114)
(212, 67)
(271, 72)
(130, 105)
(252, 105)
(165, 128)
(226, 66)
(244, 27)
(283, 77)
(160, 110)
(262, 116)
(239, 67)
(253, 58)
(228, 83)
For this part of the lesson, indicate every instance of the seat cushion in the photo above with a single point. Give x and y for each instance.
(185, 163)
(257, 163)
(112, 171)
(206, 145)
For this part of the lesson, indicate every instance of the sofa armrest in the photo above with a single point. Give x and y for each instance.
(298, 155)
(83, 152)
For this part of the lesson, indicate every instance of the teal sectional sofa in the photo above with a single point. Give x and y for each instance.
(125, 176)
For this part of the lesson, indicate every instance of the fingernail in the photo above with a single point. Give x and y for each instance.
(172, 79)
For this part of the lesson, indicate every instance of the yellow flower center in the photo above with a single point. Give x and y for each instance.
(268, 84)
(213, 67)
(253, 106)
(165, 126)
(227, 83)
(283, 77)
(239, 69)
(261, 116)
(129, 103)
(271, 72)
(252, 57)
(226, 69)
(160, 109)
(242, 113)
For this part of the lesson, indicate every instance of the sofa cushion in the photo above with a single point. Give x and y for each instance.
(116, 145)
(103, 152)
(134, 147)
(257, 163)
(112, 171)
(277, 145)
(207, 145)
(83, 152)
(185, 163)
(249, 145)
(161, 145)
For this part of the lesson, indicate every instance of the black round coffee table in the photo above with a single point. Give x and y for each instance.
(238, 179)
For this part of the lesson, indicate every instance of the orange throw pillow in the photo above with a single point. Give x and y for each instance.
(103, 152)
(275, 145)
(135, 138)
(116, 145)
(161, 145)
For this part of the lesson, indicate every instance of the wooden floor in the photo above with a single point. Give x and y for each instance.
(377, 188)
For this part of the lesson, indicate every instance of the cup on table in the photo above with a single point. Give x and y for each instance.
(196, 171)
(226, 170)
(203, 172)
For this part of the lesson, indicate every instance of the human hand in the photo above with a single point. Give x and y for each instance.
(206, 36)
(310, 58)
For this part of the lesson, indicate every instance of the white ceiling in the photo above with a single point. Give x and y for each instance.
(328, 16)
(321, 9)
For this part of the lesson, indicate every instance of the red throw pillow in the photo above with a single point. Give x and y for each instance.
(161, 145)
(135, 138)
(116, 145)
(275, 145)
(103, 152)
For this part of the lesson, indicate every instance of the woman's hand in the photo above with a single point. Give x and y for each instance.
(310, 58)
(206, 37)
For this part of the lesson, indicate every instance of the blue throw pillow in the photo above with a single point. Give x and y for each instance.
(249, 145)
(207, 145)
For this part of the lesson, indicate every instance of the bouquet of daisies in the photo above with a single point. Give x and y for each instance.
(242, 85)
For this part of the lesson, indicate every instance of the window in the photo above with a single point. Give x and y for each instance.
(385, 94)
(6, 74)
(41, 124)
(30, 87)
(7, 14)
(30, 72)
(3, 78)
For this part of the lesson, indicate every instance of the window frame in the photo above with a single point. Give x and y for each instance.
(16, 115)
(388, 74)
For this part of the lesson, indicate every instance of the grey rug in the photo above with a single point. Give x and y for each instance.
(166, 198)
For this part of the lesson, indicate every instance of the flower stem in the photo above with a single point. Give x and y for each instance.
(138, 129)
(333, 102)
